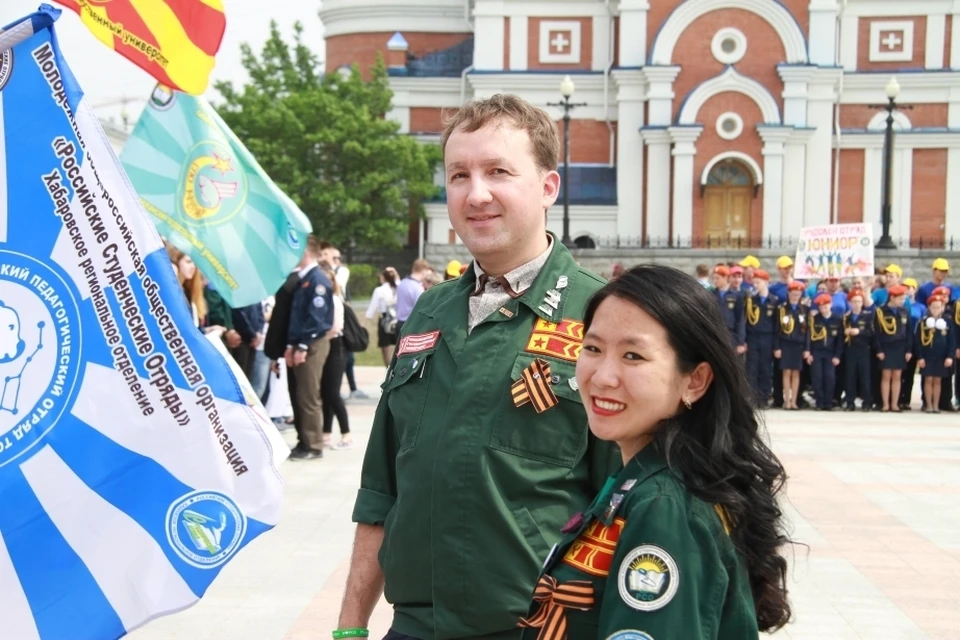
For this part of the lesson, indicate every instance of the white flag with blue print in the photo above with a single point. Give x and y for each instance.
(131, 468)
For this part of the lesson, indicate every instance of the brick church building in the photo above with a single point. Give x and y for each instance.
(720, 121)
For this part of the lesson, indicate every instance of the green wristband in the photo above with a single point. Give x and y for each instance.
(340, 634)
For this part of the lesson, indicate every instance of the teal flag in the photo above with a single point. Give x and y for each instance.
(210, 199)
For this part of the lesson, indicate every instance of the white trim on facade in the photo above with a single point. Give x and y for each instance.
(631, 94)
(951, 228)
(730, 80)
(519, 34)
(936, 41)
(900, 121)
(774, 159)
(684, 155)
(490, 31)
(740, 43)
(733, 155)
(930, 87)
(341, 17)
(425, 92)
(687, 12)
(849, 41)
(907, 140)
(542, 88)
(822, 37)
(880, 47)
(547, 54)
(894, 8)
(657, 214)
(660, 94)
(737, 125)
(633, 21)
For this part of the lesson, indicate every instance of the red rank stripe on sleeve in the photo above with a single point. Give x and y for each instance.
(418, 342)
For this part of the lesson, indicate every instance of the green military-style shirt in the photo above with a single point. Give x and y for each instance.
(646, 561)
(472, 489)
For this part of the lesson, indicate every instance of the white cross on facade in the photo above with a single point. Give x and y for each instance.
(892, 41)
(559, 42)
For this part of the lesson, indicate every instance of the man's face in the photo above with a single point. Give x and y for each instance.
(785, 273)
(719, 281)
(736, 280)
(833, 285)
(891, 279)
(939, 276)
(331, 256)
(496, 196)
(761, 285)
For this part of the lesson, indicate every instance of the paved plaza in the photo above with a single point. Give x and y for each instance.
(873, 498)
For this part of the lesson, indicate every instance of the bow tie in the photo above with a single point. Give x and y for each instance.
(502, 281)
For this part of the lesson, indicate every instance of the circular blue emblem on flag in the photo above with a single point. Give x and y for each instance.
(205, 528)
(293, 238)
(40, 342)
(6, 67)
(212, 186)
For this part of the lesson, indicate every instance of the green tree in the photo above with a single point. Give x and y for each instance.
(325, 140)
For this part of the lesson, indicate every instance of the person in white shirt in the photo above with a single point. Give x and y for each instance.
(332, 379)
(383, 306)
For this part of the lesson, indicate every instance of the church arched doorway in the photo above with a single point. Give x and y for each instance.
(727, 200)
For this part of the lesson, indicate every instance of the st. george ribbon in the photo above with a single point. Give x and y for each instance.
(131, 468)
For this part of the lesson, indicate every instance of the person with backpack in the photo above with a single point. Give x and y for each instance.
(383, 306)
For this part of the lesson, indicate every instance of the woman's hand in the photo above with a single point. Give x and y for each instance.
(778, 354)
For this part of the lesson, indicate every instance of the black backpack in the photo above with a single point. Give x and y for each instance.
(355, 335)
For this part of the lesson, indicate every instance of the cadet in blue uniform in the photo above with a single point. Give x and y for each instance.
(892, 342)
(779, 289)
(824, 349)
(789, 342)
(762, 324)
(731, 308)
(858, 325)
(686, 549)
(934, 346)
(311, 318)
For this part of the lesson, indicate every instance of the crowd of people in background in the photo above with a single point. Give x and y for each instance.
(835, 341)
(291, 346)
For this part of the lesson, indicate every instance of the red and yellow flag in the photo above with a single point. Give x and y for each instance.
(175, 41)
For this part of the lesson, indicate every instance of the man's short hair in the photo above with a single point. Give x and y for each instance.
(509, 109)
(703, 270)
(420, 265)
(313, 245)
(324, 245)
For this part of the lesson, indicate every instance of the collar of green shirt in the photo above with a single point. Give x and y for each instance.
(648, 462)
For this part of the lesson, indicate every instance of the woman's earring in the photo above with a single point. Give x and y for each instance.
(687, 404)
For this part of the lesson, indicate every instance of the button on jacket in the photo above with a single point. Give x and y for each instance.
(471, 489)
(646, 557)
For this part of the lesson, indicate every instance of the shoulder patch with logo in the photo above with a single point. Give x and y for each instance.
(629, 634)
(648, 578)
(592, 551)
(561, 340)
(418, 342)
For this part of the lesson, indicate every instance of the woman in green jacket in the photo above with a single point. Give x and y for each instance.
(686, 541)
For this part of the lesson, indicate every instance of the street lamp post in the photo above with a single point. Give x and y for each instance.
(566, 90)
(892, 90)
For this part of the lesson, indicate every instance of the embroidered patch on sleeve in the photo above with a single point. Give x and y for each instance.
(592, 551)
(534, 387)
(418, 342)
(630, 634)
(561, 340)
(648, 578)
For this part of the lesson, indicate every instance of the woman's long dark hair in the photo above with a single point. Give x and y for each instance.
(716, 446)
(390, 276)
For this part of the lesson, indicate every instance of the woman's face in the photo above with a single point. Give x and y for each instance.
(187, 268)
(628, 375)
(794, 296)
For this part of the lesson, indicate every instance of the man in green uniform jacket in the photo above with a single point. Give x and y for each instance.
(480, 450)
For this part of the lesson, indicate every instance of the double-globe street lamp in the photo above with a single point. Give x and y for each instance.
(892, 90)
(566, 90)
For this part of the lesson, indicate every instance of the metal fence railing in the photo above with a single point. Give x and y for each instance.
(741, 242)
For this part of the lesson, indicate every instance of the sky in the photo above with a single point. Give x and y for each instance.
(109, 80)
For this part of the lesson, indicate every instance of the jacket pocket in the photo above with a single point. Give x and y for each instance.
(557, 435)
(531, 533)
(406, 387)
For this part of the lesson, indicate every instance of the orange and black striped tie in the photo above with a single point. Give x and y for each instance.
(554, 599)
(534, 387)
